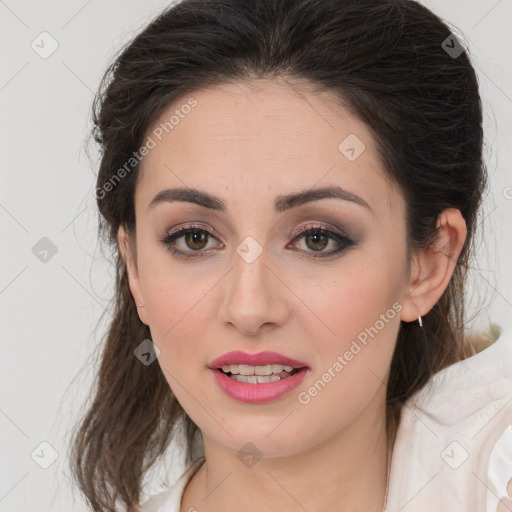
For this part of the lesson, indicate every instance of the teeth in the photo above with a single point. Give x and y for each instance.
(256, 379)
(244, 369)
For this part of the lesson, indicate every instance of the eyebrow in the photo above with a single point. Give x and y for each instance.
(281, 203)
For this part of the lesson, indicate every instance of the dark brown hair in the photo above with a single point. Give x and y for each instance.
(392, 63)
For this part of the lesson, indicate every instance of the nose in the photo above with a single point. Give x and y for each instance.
(255, 298)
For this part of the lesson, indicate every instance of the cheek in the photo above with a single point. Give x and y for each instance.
(180, 310)
(173, 291)
(354, 330)
(365, 292)
(353, 354)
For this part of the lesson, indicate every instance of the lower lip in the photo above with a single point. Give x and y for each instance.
(258, 393)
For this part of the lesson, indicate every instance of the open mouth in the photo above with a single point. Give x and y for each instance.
(258, 374)
(261, 383)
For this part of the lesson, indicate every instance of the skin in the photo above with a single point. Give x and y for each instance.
(247, 144)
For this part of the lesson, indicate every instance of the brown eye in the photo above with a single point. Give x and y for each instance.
(317, 239)
(196, 240)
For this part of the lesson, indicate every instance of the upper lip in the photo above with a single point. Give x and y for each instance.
(259, 359)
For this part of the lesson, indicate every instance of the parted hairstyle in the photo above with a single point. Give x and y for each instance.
(391, 63)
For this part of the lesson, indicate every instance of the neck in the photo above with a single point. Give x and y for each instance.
(346, 472)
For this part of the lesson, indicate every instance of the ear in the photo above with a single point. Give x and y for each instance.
(433, 266)
(127, 248)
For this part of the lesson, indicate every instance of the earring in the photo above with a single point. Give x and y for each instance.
(420, 321)
(141, 305)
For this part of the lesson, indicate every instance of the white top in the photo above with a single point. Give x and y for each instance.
(453, 450)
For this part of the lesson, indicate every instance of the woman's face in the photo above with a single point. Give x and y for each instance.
(248, 280)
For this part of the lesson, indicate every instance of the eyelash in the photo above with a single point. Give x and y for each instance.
(169, 239)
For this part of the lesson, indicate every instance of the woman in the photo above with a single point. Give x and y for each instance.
(291, 189)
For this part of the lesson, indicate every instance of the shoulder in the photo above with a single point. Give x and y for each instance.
(473, 383)
(449, 430)
(169, 499)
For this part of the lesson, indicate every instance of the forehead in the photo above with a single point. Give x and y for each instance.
(262, 135)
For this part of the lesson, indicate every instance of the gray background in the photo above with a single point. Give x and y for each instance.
(50, 308)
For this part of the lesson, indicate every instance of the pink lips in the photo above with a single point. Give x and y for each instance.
(260, 359)
(257, 393)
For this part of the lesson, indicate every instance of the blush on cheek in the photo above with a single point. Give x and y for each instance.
(179, 330)
(367, 335)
